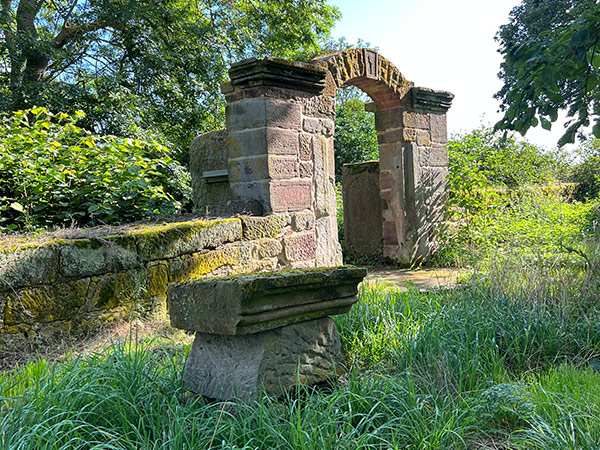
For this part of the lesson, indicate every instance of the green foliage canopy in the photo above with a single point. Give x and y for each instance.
(551, 52)
(53, 172)
(145, 68)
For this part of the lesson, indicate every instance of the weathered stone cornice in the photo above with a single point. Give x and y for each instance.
(431, 100)
(277, 72)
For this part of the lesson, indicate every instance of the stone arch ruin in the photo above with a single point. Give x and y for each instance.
(276, 155)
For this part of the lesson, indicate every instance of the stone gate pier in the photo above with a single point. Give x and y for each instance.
(277, 156)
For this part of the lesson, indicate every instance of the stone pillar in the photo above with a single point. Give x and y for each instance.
(413, 169)
(280, 137)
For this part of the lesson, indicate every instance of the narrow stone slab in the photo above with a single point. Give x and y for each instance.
(240, 367)
(252, 303)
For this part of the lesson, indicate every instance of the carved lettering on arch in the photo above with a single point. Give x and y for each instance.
(371, 64)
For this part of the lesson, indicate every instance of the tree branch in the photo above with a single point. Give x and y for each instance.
(71, 32)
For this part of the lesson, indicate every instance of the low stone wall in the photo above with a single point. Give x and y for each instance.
(54, 286)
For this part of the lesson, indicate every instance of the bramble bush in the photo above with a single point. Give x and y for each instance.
(55, 173)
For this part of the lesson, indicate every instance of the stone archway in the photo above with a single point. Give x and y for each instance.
(279, 150)
(412, 136)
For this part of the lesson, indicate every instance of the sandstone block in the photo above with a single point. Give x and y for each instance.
(29, 266)
(436, 156)
(263, 112)
(86, 257)
(175, 239)
(290, 195)
(311, 125)
(305, 169)
(329, 251)
(242, 367)
(388, 118)
(302, 221)
(423, 138)
(439, 130)
(251, 303)
(305, 146)
(262, 141)
(300, 246)
(115, 289)
(45, 303)
(283, 167)
(268, 248)
(415, 120)
(262, 227)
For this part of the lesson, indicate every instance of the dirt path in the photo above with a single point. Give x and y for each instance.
(424, 279)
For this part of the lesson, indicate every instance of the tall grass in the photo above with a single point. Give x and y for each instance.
(488, 365)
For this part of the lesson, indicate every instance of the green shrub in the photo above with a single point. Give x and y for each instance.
(53, 172)
(587, 172)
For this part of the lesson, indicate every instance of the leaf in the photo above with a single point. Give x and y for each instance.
(18, 207)
(596, 129)
(546, 124)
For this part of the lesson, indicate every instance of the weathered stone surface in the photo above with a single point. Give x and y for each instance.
(234, 258)
(389, 118)
(262, 227)
(269, 71)
(209, 153)
(439, 130)
(268, 248)
(290, 196)
(363, 208)
(158, 279)
(45, 303)
(241, 367)
(329, 251)
(263, 112)
(436, 156)
(28, 266)
(175, 239)
(116, 289)
(300, 246)
(262, 141)
(86, 257)
(250, 303)
(303, 220)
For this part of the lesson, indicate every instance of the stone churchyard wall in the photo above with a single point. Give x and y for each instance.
(69, 285)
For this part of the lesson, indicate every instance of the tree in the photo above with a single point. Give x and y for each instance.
(355, 138)
(145, 68)
(551, 52)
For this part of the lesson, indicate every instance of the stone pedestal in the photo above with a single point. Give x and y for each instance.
(263, 332)
(242, 367)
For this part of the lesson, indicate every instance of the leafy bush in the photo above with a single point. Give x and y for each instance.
(355, 138)
(53, 172)
(587, 172)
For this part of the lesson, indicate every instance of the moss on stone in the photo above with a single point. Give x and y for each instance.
(45, 303)
(172, 240)
(263, 227)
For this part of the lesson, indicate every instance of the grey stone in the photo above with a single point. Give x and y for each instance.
(175, 239)
(362, 209)
(241, 367)
(209, 152)
(85, 257)
(29, 266)
(247, 304)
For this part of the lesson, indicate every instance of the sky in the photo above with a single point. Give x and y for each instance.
(441, 44)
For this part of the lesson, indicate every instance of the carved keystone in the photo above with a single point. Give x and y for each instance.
(253, 303)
